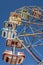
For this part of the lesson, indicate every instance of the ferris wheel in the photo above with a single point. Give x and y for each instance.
(23, 30)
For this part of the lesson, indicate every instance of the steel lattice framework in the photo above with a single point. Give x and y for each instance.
(25, 25)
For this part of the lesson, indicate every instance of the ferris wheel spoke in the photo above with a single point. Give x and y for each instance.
(37, 52)
(41, 44)
(40, 9)
(29, 40)
(39, 40)
(31, 53)
(31, 29)
(32, 46)
(35, 30)
(38, 29)
(33, 22)
(35, 6)
(38, 24)
(35, 44)
(21, 30)
(26, 40)
(31, 34)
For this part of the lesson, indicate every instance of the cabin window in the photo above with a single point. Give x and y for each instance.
(9, 25)
(7, 59)
(13, 35)
(19, 61)
(4, 34)
(12, 43)
(22, 15)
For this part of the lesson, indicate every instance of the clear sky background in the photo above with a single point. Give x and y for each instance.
(7, 6)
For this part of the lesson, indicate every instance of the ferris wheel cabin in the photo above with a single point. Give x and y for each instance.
(13, 58)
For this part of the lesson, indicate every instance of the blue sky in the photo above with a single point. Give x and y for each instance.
(7, 6)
